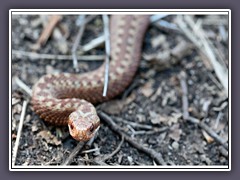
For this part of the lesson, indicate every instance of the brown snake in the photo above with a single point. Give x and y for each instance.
(66, 99)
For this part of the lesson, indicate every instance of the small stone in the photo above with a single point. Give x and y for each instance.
(175, 145)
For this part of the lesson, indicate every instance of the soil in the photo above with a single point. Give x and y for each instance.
(150, 111)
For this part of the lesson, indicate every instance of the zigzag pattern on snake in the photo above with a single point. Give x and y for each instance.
(67, 99)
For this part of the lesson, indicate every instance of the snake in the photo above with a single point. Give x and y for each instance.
(68, 99)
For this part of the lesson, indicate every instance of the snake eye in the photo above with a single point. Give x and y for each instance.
(71, 126)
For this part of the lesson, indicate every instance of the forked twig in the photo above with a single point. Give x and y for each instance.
(157, 156)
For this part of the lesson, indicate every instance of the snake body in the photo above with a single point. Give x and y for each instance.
(67, 99)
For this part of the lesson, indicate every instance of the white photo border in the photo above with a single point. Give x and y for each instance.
(118, 11)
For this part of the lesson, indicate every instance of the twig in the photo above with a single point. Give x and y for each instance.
(213, 134)
(107, 50)
(223, 151)
(47, 31)
(93, 43)
(74, 152)
(155, 18)
(76, 43)
(78, 148)
(184, 94)
(157, 21)
(215, 22)
(159, 130)
(90, 150)
(186, 116)
(33, 56)
(115, 151)
(220, 115)
(86, 20)
(142, 126)
(82, 21)
(23, 86)
(214, 80)
(157, 156)
(151, 129)
(127, 91)
(15, 150)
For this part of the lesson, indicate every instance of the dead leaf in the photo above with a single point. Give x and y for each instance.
(157, 41)
(113, 107)
(48, 137)
(156, 94)
(147, 89)
(141, 117)
(175, 132)
(168, 120)
(155, 118)
(131, 98)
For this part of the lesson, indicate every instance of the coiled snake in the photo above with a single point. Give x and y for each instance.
(67, 99)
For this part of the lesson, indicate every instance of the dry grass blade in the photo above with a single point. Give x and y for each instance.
(15, 149)
(155, 18)
(23, 86)
(107, 50)
(76, 43)
(82, 24)
(93, 43)
(33, 56)
(196, 34)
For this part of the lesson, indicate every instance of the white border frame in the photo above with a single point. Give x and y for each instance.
(117, 11)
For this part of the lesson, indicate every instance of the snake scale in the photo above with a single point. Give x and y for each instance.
(67, 99)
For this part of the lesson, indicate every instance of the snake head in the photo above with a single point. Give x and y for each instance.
(83, 126)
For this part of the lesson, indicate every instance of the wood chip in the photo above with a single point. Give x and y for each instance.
(15, 101)
(47, 31)
(208, 138)
(147, 90)
(157, 41)
(155, 118)
(175, 132)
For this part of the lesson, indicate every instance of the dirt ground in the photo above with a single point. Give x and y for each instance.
(176, 108)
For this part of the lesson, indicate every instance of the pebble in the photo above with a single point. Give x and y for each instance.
(175, 145)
